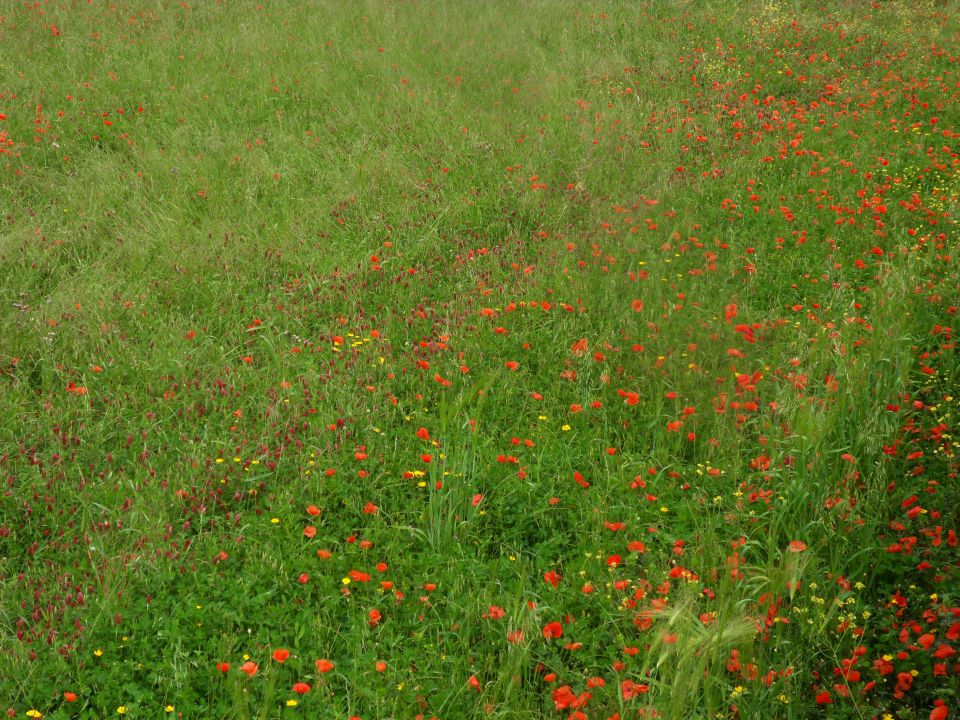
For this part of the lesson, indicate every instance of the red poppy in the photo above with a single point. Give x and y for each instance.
(69, 696)
(797, 546)
(324, 666)
(301, 688)
(281, 655)
(250, 668)
(223, 667)
(552, 630)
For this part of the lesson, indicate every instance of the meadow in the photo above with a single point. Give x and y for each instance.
(518, 359)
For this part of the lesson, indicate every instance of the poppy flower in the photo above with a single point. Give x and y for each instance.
(69, 696)
(552, 630)
(324, 666)
(223, 667)
(250, 668)
(281, 655)
(797, 546)
(301, 688)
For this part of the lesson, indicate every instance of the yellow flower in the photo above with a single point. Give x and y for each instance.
(565, 428)
(122, 710)
(291, 703)
(34, 714)
(98, 652)
(168, 708)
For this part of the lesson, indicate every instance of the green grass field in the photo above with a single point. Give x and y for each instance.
(540, 359)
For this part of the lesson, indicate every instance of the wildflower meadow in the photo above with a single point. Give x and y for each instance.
(518, 359)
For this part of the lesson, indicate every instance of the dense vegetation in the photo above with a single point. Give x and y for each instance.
(502, 360)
